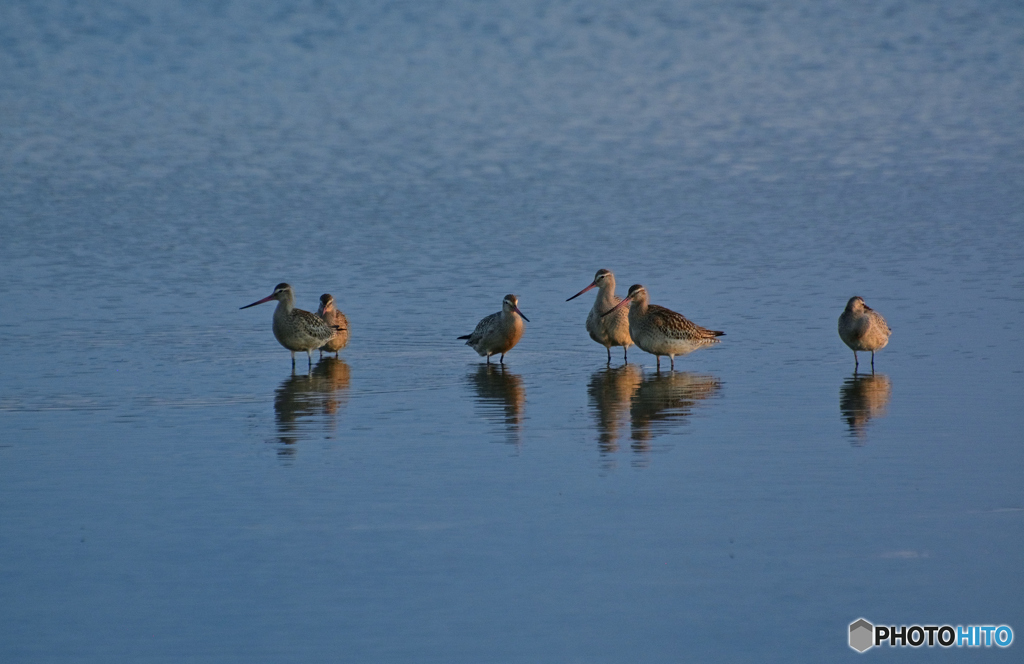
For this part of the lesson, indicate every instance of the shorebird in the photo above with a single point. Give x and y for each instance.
(661, 331)
(330, 315)
(499, 332)
(613, 330)
(863, 328)
(296, 329)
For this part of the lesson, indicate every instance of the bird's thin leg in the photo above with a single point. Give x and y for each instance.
(657, 359)
(672, 359)
(293, 359)
(872, 361)
(624, 349)
(501, 360)
(309, 358)
(856, 362)
(609, 349)
(488, 358)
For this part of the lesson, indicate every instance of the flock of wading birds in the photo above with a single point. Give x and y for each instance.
(612, 321)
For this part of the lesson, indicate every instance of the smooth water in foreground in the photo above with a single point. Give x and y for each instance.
(171, 490)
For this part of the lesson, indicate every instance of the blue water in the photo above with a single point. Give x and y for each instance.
(171, 491)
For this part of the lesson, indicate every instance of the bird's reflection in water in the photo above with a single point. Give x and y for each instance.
(862, 398)
(610, 391)
(654, 404)
(501, 397)
(303, 401)
(665, 401)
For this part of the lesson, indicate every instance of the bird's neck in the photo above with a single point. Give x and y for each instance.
(606, 297)
(285, 305)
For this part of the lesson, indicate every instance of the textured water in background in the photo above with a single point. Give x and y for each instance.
(169, 490)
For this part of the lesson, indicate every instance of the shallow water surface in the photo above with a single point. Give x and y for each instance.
(171, 488)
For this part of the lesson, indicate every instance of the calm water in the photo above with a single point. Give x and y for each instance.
(170, 491)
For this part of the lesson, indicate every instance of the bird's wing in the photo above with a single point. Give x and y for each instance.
(878, 320)
(678, 326)
(483, 327)
(314, 326)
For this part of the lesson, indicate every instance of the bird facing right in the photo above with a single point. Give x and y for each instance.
(499, 332)
(863, 328)
(661, 331)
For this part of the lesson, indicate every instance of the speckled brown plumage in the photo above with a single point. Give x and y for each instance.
(295, 329)
(863, 328)
(499, 332)
(661, 331)
(337, 320)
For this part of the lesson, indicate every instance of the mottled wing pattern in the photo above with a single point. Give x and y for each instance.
(312, 325)
(677, 326)
(483, 327)
(877, 320)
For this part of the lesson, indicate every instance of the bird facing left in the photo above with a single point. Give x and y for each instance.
(295, 329)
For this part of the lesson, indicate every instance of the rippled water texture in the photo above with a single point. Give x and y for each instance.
(171, 491)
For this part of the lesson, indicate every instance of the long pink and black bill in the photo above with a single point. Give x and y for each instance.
(592, 285)
(266, 299)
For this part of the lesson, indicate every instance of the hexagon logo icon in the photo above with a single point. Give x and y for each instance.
(862, 635)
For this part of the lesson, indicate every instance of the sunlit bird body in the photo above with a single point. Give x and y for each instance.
(612, 330)
(863, 328)
(330, 315)
(661, 331)
(499, 332)
(295, 329)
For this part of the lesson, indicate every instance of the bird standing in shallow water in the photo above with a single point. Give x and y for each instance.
(611, 330)
(499, 332)
(295, 329)
(863, 328)
(661, 331)
(330, 315)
